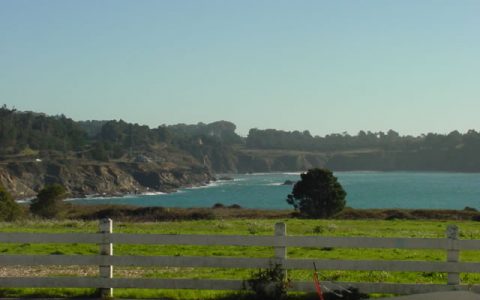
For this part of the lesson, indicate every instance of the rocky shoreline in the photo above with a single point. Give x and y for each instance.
(84, 178)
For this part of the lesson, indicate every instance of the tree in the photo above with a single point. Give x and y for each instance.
(318, 194)
(49, 202)
(98, 152)
(9, 209)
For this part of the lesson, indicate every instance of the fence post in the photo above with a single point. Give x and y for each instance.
(106, 248)
(453, 253)
(281, 251)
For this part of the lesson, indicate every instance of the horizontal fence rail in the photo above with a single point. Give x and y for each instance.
(280, 241)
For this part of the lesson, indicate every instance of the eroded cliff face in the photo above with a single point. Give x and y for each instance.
(25, 179)
(277, 161)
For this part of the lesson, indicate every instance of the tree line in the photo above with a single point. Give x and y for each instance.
(220, 147)
(31, 133)
(391, 140)
(29, 130)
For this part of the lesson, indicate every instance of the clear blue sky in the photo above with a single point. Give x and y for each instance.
(325, 66)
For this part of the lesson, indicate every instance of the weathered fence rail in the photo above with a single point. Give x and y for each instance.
(280, 241)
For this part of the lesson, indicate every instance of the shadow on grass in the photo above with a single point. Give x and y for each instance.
(45, 293)
(350, 294)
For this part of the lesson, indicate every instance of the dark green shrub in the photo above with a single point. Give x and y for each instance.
(49, 202)
(394, 214)
(202, 215)
(218, 205)
(269, 284)
(476, 218)
(9, 209)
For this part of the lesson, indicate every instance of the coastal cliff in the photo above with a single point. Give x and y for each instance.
(25, 179)
(277, 161)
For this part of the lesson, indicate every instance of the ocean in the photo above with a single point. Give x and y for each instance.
(433, 190)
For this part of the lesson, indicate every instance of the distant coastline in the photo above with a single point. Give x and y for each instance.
(117, 158)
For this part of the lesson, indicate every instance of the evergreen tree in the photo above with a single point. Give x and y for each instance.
(49, 202)
(318, 194)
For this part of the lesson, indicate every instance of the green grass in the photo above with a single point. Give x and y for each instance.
(372, 228)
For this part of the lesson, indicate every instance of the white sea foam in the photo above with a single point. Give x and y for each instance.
(239, 179)
(292, 173)
(99, 197)
(26, 200)
(153, 193)
(88, 199)
(209, 185)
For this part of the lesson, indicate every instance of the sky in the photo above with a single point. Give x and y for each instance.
(323, 66)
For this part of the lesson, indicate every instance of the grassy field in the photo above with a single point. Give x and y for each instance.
(369, 228)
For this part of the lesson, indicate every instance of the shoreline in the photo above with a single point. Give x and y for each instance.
(217, 178)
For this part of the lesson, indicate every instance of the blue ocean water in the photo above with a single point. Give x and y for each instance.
(364, 190)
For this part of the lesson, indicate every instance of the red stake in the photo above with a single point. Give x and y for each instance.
(317, 283)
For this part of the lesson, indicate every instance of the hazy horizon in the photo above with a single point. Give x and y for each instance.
(323, 66)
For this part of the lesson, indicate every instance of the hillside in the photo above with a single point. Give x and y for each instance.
(115, 157)
(453, 152)
(118, 159)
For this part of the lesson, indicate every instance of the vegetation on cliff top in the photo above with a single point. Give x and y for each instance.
(219, 147)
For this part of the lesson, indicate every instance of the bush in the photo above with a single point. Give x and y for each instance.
(318, 194)
(9, 209)
(394, 214)
(49, 202)
(270, 283)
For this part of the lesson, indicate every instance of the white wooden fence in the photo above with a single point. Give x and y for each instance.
(280, 241)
